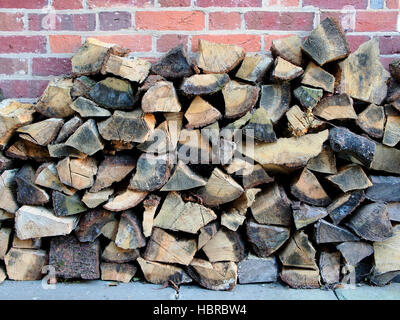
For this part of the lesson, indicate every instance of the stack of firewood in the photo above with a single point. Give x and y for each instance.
(216, 169)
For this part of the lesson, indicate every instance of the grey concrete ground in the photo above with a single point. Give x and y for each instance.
(101, 290)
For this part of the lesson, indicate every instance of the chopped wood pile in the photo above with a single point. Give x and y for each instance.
(219, 169)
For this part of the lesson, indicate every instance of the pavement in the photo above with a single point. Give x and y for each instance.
(103, 290)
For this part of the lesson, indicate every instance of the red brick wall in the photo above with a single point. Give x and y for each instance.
(36, 45)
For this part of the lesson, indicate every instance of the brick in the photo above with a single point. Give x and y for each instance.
(270, 37)
(116, 20)
(393, 4)
(356, 41)
(228, 3)
(10, 66)
(389, 44)
(224, 21)
(136, 43)
(50, 66)
(22, 44)
(376, 21)
(11, 21)
(290, 3)
(346, 21)
(387, 60)
(119, 3)
(170, 20)
(23, 88)
(169, 41)
(64, 43)
(174, 3)
(251, 43)
(288, 21)
(26, 4)
(70, 4)
(62, 22)
(336, 4)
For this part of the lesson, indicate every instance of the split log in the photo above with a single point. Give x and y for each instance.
(226, 245)
(344, 205)
(73, 259)
(25, 264)
(5, 234)
(68, 129)
(354, 252)
(91, 56)
(307, 188)
(394, 211)
(326, 43)
(112, 253)
(394, 68)
(161, 97)
(8, 185)
(391, 136)
(393, 96)
(232, 221)
(13, 114)
(260, 126)
(326, 232)
(256, 177)
(254, 67)
(150, 81)
(67, 205)
(386, 159)
(325, 162)
(24, 150)
(77, 173)
(110, 230)
(133, 126)
(46, 176)
(372, 121)
(199, 84)
(275, 99)
(272, 206)
(299, 252)
(350, 177)
(87, 108)
(150, 207)
(239, 98)
(27, 192)
(42, 132)
(164, 247)
(132, 69)
(218, 57)
(160, 273)
(308, 97)
(200, 114)
(304, 214)
(361, 68)
(213, 276)
(317, 77)
(61, 150)
(94, 199)
(26, 244)
(257, 270)
(91, 223)
(125, 200)
(183, 178)
(163, 139)
(130, 234)
(335, 107)
(329, 265)
(384, 188)
(56, 99)
(174, 64)
(37, 222)
(285, 71)
(86, 138)
(5, 163)
(82, 86)
(206, 233)
(113, 169)
(176, 215)
(266, 239)
(289, 48)
(299, 122)
(113, 93)
(4, 215)
(120, 272)
(371, 222)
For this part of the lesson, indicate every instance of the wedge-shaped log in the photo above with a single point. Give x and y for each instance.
(112, 253)
(220, 189)
(200, 84)
(391, 136)
(206, 233)
(386, 159)
(308, 97)
(307, 188)
(300, 278)
(257, 270)
(26, 244)
(37, 222)
(344, 205)
(304, 214)
(4, 241)
(275, 99)
(42, 132)
(394, 211)
(325, 162)
(213, 276)
(260, 126)
(77, 173)
(91, 223)
(113, 93)
(86, 138)
(201, 113)
(285, 71)
(239, 98)
(8, 199)
(150, 206)
(300, 122)
(24, 150)
(256, 177)
(266, 239)
(25, 264)
(130, 233)
(183, 178)
(87, 108)
(335, 107)
(82, 86)
(61, 150)
(326, 43)
(349, 178)
(384, 188)
(371, 222)
(133, 126)
(218, 57)
(289, 48)
(46, 176)
(226, 245)
(67, 205)
(161, 97)
(317, 77)
(254, 67)
(329, 265)
(354, 252)
(27, 192)
(177, 215)
(372, 121)
(164, 247)
(362, 74)
(125, 200)
(326, 232)
(132, 69)
(120, 272)
(174, 64)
